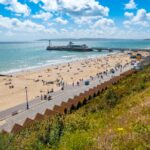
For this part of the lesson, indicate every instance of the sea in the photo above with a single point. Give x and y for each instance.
(22, 56)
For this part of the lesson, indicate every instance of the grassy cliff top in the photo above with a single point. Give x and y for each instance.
(116, 119)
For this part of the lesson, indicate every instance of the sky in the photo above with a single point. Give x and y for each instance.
(24, 20)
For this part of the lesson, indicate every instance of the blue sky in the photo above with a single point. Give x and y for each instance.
(36, 19)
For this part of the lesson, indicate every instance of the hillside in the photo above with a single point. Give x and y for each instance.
(116, 119)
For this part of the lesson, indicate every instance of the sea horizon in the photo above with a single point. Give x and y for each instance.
(66, 39)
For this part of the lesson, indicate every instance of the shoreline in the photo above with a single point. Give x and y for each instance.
(40, 81)
(37, 68)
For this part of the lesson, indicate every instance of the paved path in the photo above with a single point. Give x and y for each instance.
(39, 106)
(22, 107)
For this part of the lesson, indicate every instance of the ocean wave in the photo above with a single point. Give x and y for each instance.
(69, 56)
(47, 63)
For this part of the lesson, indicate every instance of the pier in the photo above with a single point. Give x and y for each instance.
(70, 47)
(119, 49)
(99, 49)
(84, 48)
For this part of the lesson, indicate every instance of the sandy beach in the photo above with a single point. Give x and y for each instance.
(39, 82)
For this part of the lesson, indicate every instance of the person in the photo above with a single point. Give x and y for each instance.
(45, 97)
(43, 82)
(41, 97)
(49, 98)
(62, 88)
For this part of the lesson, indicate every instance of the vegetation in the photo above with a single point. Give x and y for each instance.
(116, 119)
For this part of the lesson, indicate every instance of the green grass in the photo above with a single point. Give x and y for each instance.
(116, 119)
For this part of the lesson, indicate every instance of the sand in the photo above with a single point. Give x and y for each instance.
(12, 89)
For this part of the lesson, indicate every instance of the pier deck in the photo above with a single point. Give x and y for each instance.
(119, 49)
(96, 48)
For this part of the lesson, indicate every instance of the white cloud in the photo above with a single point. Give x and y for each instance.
(130, 5)
(84, 33)
(15, 6)
(81, 11)
(84, 7)
(50, 5)
(84, 13)
(43, 15)
(85, 19)
(27, 30)
(141, 15)
(64, 30)
(24, 30)
(6, 22)
(103, 23)
(129, 14)
(14, 24)
(74, 7)
(50, 24)
(61, 21)
(141, 18)
(5, 1)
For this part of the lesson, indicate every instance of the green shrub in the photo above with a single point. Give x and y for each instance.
(53, 132)
(111, 97)
(139, 86)
(5, 141)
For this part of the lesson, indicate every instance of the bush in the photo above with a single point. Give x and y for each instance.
(139, 86)
(111, 97)
(53, 132)
(5, 141)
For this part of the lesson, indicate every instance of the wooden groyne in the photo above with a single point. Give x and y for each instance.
(69, 105)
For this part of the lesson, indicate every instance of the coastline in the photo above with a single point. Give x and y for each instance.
(41, 80)
(32, 55)
(39, 67)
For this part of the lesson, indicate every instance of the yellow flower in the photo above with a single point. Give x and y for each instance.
(120, 129)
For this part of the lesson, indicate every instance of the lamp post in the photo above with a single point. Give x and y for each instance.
(27, 103)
